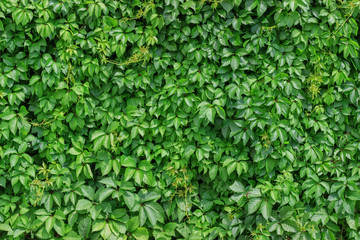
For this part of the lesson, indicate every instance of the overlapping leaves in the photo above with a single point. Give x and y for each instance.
(179, 119)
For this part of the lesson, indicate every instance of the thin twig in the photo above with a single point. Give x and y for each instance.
(347, 19)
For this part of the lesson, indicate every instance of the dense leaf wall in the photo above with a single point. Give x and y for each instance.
(179, 119)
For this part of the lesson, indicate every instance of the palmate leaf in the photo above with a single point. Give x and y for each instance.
(153, 212)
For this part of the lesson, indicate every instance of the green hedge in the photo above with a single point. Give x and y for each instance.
(179, 119)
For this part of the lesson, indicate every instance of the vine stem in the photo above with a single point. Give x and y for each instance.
(342, 230)
(138, 57)
(142, 12)
(186, 203)
(347, 19)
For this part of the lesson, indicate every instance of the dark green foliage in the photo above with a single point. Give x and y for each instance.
(179, 119)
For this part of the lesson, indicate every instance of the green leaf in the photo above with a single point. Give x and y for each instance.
(210, 114)
(213, 172)
(142, 216)
(352, 222)
(141, 234)
(88, 192)
(221, 112)
(189, 151)
(106, 232)
(128, 162)
(289, 226)
(5, 227)
(129, 199)
(74, 151)
(251, 4)
(19, 232)
(132, 224)
(231, 167)
(265, 209)
(353, 195)
(104, 193)
(13, 125)
(237, 187)
(154, 212)
(83, 204)
(253, 205)
(3, 182)
(97, 134)
(84, 227)
(235, 62)
(228, 6)
(98, 225)
(49, 223)
(109, 181)
(262, 7)
(72, 236)
(129, 173)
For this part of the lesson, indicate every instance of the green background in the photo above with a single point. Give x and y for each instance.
(179, 119)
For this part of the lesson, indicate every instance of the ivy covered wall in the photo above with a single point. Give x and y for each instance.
(179, 119)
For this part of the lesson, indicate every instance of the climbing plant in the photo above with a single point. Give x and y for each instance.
(179, 119)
